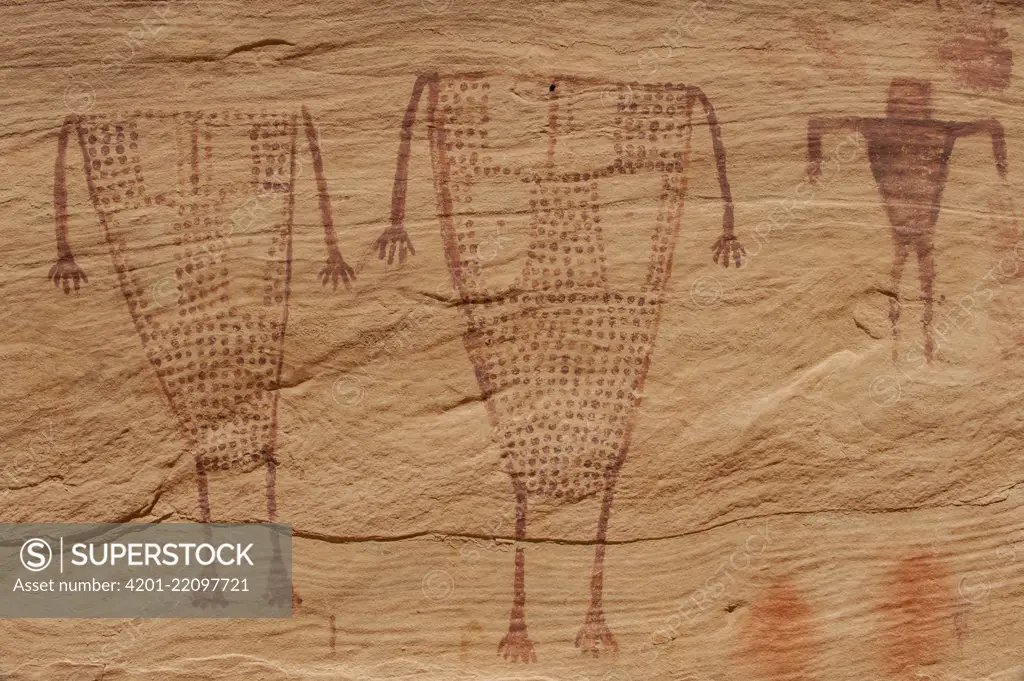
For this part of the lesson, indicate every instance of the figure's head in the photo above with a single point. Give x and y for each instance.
(910, 98)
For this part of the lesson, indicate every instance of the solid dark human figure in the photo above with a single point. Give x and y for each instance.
(213, 327)
(561, 355)
(909, 154)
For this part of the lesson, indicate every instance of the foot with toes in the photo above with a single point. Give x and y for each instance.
(517, 646)
(594, 636)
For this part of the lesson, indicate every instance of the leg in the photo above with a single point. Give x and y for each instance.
(517, 645)
(334, 635)
(206, 598)
(278, 587)
(899, 259)
(271, 489)
(594, 635)
(204, 491)
(926, 272)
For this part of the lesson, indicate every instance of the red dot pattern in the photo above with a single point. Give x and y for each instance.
(561, 358)
(217, 358)
(652, 123)
(112, 160)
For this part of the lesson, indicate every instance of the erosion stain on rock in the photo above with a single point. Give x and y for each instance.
(916, 606)
(837, 55)
(471, 633)
(974, 52)
(780, 638)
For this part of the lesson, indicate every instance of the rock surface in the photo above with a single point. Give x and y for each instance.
(803, 495)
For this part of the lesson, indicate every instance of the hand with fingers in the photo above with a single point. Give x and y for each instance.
(395, 238)
(67, 272)
(728, 248)
(337, 269)
(814, 171)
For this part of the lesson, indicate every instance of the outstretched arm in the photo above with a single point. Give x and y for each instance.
(65, 271)
(816, 129)
(727, 247)
(994, 128)
(336, 268)
(395, 236)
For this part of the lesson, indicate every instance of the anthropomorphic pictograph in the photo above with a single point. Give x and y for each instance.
(200, 237)
(562, 320)
(909, 154)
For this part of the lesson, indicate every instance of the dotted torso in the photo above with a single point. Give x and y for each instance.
(217, 354)
(561, 357)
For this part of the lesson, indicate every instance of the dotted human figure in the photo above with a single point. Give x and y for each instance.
(215, 342)
(561, 356)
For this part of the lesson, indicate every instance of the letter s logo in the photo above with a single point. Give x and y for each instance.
(36, 555)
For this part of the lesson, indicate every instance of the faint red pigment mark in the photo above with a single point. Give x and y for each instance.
(562, 419)
(836, 54)
(974, 51)
(552, 129)
(916, 607)
(1009, 235)
(469, 635)
(961, 624)
(909, 154)
(780, 637)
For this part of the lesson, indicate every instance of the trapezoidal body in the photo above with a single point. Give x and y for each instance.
(562, 295)
(197, 211)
